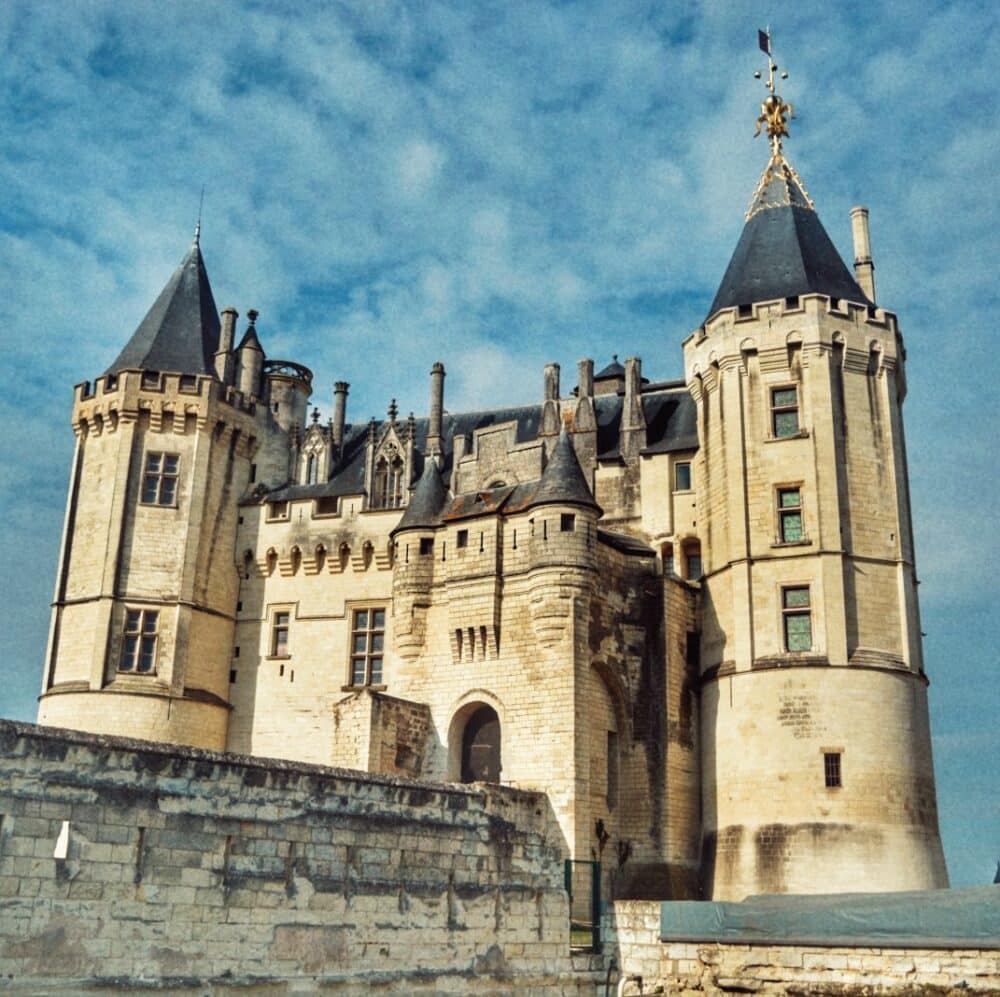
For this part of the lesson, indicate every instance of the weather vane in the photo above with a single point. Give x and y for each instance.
(774, 111)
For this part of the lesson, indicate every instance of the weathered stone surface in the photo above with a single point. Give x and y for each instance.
(247, 873)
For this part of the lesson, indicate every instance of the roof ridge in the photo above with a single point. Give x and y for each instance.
(779, 169)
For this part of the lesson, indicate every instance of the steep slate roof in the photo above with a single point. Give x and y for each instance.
(250, 339)
(181, 331)
(562, 480)
(784, 250)
(611, 372)
(429, 498)
(670, 418)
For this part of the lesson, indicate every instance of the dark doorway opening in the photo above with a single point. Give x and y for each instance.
(481, 746)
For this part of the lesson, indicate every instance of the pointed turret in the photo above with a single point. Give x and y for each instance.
(563, 481)
(181, 331)
(429, 497)
(784, 250)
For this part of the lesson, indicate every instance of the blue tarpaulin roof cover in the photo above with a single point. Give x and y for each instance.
(967, 918)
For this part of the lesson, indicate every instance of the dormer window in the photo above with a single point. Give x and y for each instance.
(388, 482)
(312, 469)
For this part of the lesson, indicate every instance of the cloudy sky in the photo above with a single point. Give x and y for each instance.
(497, 185)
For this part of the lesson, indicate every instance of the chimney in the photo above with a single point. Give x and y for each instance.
(864, 269)
(224, 355)
(459, 445)
(550, 424)
(340, 390)
(633, 426)
(437, 408)
(585, 375)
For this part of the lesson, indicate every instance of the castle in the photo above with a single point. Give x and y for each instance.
(684, 610)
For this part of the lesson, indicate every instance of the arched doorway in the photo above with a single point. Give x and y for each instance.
(481, 746)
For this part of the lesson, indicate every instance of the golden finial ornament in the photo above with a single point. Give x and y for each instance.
(774, 112)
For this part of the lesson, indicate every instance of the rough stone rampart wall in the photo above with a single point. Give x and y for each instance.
(197, 871)
(632, 934)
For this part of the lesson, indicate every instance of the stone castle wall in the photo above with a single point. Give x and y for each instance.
(632, 930)
(125, 863)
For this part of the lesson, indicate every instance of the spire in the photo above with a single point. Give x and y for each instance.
(429, 497)
(784, 250)
(181, 331)
(563, 481)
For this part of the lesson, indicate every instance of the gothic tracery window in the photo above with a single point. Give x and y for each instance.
(388, 491)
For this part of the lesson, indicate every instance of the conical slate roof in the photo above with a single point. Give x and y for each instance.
(250, 340)
(429, 498)
(562, 480)
(181, 331)
(784, 250)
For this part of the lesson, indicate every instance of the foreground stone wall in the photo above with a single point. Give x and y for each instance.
(632, 932)
(125, 863)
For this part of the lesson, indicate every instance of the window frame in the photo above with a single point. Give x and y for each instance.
(779, 409)
(279, 636)
(785, 513)
(370, 678)
(141, 637)
(686, 465)
(278, 512)
(387, 481)
(160, 477)
(796, 612)
(833, 769)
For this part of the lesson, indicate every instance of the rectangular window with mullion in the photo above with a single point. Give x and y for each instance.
(139, 641)
(279, 635)
(790, 515)
(367, 646)
(797, 618)
(785, 412)
(159, 479)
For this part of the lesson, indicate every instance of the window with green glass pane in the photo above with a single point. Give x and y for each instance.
(367, 646)
(797, 618)
(790, 514)
(785, 411)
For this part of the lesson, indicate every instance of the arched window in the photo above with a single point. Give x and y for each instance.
(388, 491)
(312, 469)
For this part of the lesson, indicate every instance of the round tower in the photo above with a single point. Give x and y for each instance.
(142, 619)
(289, 386)
(816, 753)
(413, 567)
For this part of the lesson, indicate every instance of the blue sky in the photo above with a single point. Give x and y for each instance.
(497, 185)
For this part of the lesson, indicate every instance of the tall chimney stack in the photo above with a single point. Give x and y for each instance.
(224, 355)
(437, 409)
(551, 422)
(864, 269)
(339, 413)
